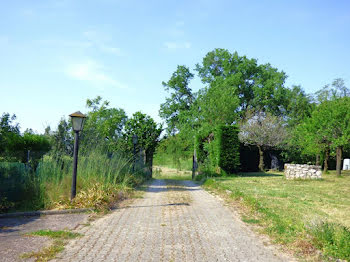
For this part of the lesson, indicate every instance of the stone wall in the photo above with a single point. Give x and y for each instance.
(296, 171)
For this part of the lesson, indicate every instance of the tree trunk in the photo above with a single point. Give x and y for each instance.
(339, 158)
(326, 157)
(317, 159)
(261, 159)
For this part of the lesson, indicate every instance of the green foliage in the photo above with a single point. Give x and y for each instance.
(174, 151)
(9, 135)
(62, 139)
(234, 86)
(200, 139)
(218, 149)
(18, 186)
(180, 100)
(257, 86)
(228, 148)
(147, 132)
(332, 91)
(327, 128)
(104, 125)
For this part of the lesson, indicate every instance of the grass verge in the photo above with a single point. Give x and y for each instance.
(302, 215)
(60, 239)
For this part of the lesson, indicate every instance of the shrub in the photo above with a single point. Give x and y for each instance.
(228, 148)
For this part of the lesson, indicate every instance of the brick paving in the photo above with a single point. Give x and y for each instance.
(174, 221)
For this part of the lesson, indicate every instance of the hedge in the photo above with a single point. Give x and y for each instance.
(219, 149)
(228, 148)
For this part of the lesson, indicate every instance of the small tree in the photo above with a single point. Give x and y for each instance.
(147, 132)
(264, 131)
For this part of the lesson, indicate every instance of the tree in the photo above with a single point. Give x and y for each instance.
(299, 107)
(331, 119)
(147, 131)
(180, 100)
(310, 142)
(104, 125)
(333, 91)
(37, 146)
(218, 104)
(258, 87)
(264, 131)
(9, 136)
(62, 139)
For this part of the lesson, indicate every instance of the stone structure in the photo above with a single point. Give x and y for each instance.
(296, 171)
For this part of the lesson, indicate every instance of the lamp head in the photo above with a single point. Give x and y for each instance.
(78, 120)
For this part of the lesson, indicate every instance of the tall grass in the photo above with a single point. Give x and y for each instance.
(101, 179)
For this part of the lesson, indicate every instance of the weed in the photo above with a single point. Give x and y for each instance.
(47, 253)
(60, 238)
(61, 234)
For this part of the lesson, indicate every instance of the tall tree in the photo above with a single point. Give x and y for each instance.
(332, 120)
(180, 99)
(258, 87)
(263, 130)
(300, 105)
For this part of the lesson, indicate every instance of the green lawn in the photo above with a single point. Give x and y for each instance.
(297, 213)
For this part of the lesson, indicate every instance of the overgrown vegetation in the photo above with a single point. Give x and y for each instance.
(300, 214)
(108, 167)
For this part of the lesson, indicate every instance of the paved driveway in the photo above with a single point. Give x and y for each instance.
(174, 221)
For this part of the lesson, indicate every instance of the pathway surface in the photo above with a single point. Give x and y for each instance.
(14, 242)
(174, 221)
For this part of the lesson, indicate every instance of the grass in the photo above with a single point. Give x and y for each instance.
(163, 172)
(60, 239)
(61, 234)
(299, 214)
(161, 159)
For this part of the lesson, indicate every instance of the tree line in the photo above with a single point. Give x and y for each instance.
(237, 90)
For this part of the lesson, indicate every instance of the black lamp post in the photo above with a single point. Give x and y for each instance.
(78, 120)
(134, 141)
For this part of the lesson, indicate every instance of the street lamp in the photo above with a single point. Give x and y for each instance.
(134, 141)
(78, 120)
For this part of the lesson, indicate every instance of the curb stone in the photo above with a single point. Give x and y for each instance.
(46, 212)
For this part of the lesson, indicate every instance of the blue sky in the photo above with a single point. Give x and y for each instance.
(54, 54)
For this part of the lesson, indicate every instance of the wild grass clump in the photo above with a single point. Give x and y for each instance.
(102, 179)
(333, 239)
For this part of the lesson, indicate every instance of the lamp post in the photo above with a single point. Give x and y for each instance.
(134, 141)
(78, 120)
